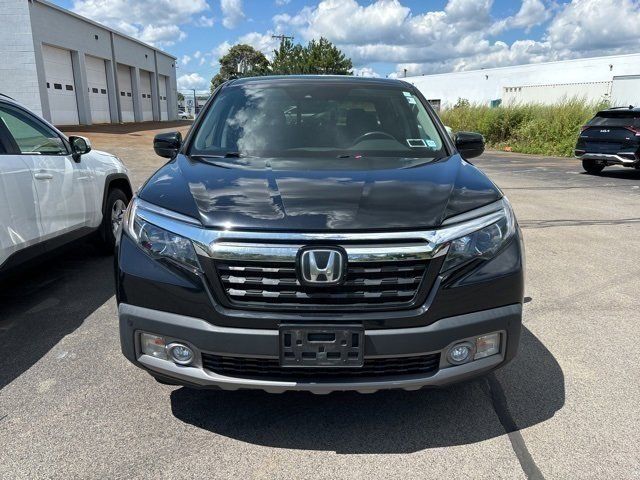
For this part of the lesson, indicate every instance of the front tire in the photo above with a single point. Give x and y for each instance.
(112, 218)
(592, 167)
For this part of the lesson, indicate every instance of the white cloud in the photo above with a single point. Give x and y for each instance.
(263, 42)
(153, 21)
(280, 3)
(205, 21)
(161, 34)
(387, 31)
(192, 81)
(185, 59)
(284, 20)
(365, 72)
(462, 35)
(595, 27)
(232, 13)
(219, 52)
(197, 54)
(472, 14)
(531, 14)
(379, 22)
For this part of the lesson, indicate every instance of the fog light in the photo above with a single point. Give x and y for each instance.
(153, 345)
(487, 345)
(180, 354)
(460, 353)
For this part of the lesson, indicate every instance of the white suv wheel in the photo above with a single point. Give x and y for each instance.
(117, 213)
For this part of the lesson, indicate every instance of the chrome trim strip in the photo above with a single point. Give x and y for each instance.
(476, 213)
(228, 244)
(607, 157)
(254, 252)
(150, 207)
(260, 252)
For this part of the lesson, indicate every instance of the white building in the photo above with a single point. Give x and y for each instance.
(614, 78)
(72, 70)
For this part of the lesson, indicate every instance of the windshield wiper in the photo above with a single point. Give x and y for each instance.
(222, 155)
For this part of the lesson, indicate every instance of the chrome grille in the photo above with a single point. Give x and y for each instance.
(272, 285)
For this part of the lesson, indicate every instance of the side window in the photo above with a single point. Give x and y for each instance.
(31, 136)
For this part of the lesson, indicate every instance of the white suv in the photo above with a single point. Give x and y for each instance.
(53, 189)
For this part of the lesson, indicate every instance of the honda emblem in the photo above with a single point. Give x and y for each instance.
(321, 266)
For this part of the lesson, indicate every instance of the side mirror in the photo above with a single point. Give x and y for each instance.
(469, 144)
(79, 146)
(167, 144)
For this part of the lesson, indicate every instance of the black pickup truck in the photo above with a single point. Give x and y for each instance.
(319, 233)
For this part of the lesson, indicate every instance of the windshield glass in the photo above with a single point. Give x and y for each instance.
(312, 119)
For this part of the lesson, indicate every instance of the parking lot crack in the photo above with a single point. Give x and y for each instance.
(500, 406)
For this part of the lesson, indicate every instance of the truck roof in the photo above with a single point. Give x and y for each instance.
(346, 79)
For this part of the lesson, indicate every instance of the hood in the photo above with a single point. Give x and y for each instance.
(320, 194)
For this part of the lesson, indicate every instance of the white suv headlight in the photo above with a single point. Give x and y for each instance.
(159, 243)
(483, 243)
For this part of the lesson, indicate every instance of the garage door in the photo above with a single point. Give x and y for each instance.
(164, 109)
(97, 82)
(126, 93)
(145, 93)
(61, 88)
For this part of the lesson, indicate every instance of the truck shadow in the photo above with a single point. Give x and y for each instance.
(48, 300)
(387, 421)
(619, 172)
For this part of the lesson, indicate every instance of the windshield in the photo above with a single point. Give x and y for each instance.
(312, 119)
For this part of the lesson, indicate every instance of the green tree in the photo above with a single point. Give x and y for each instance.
(323, 57)
(318, 57)
(241, 61)
(289, 59)
(180, 97)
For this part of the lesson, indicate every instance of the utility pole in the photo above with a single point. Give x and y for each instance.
(282, 37)
(195, 103)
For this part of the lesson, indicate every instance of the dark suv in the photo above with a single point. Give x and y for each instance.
(319, 234)
(612, 137)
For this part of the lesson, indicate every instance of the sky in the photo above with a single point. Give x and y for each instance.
(382, 37)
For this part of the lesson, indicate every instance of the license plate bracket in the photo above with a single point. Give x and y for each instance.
(321, 346)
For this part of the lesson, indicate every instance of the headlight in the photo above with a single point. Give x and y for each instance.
(159, 243)
(483, 243)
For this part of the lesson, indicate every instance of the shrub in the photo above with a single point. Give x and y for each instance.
(526, 128)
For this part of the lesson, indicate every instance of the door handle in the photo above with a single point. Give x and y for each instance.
(43, 176)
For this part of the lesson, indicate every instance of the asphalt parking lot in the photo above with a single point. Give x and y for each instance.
(71, 406)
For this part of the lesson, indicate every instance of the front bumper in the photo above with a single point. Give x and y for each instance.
(379, 343)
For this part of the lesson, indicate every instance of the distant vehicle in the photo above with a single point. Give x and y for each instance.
(183, 115)
(53, 188)
(612, 137)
